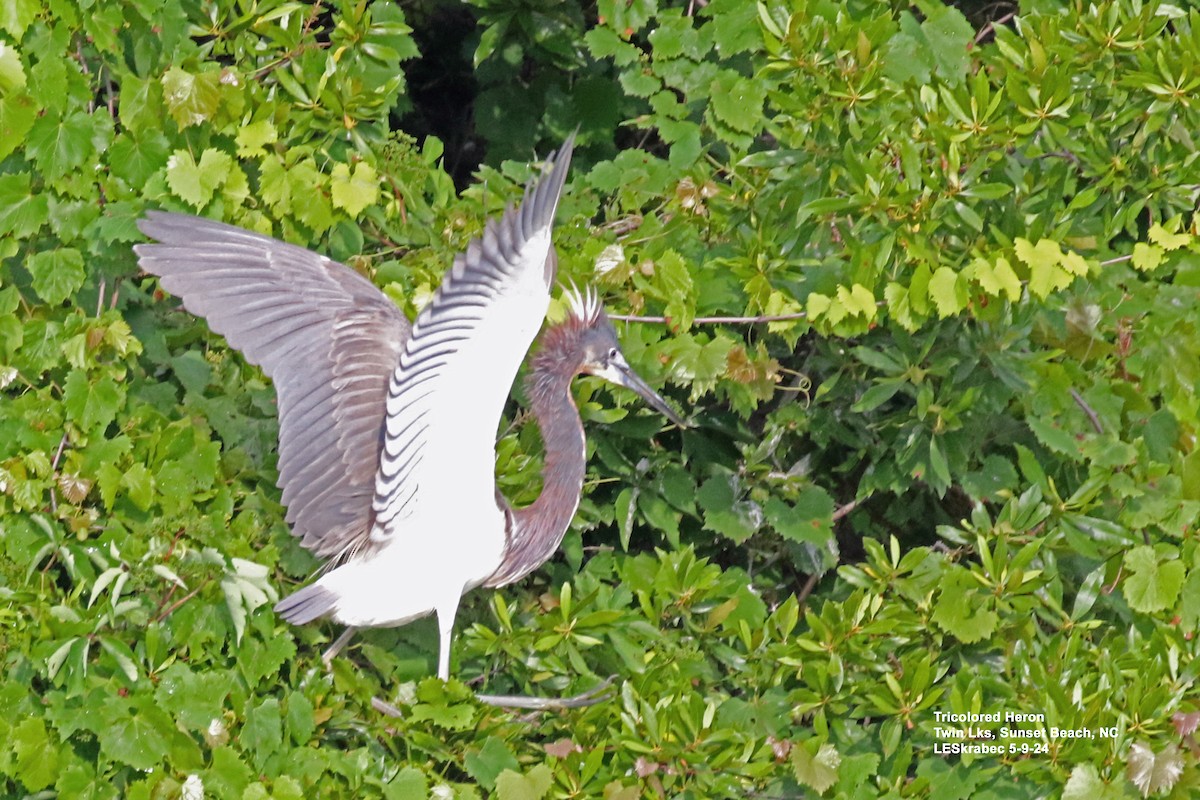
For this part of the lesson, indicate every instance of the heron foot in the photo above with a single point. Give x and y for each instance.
(591, 697)
(338, 643)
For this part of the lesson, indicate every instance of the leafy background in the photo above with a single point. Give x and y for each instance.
(951, 466)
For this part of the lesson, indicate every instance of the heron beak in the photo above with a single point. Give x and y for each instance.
(619, 372)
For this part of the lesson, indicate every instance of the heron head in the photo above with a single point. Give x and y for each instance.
(600, 352)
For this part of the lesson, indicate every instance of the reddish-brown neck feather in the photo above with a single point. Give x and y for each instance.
(536, 531)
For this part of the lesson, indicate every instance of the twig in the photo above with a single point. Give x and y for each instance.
(844, 510)
(1079, 401)
(806, 590)
(714, 320)
(386, 708)
(589, 698)
(54, 469)
(171, 609)
(991, 26)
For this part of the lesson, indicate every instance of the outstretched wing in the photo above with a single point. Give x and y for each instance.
(446, 397)
(326, 336)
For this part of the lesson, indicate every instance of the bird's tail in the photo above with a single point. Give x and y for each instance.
(307, 604)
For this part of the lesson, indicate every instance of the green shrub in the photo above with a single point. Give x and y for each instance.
(947, 466)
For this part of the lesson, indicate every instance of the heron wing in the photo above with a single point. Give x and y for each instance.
(327, 337)
(446, 396)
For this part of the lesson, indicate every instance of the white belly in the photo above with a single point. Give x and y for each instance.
(425, 566)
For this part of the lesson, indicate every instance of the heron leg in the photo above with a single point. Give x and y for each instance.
(338, 643)
(445, 618)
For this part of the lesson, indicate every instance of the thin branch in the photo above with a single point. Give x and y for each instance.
(714, 320)
(806, 590)
(180, 602)
(844, 510)
(54, 469)
(589, 698)
(1091, 414)
(991, 26)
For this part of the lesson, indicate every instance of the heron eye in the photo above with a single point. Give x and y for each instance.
(613, 353)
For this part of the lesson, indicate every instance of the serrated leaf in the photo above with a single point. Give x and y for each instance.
(62, 145)
(191, 99)
(137, 738)
(22, 213)
(18, 112)
(262, 732)
(533, 785)
(354, 191)
(997, 279)
(809, 519)
(948, 297)
(737, 101)
(674, 282)
(194, 698)
(818, 770)
(1167, 240)
(1154, 773)
(486, 764)
(91, 404)
(252, 139)
(1152, 585)
(1084, 784)
(1147, 257)
(194, 182)
(961, 610)
(35, 758)
(136, 158)
(57, 274)
(408, 784)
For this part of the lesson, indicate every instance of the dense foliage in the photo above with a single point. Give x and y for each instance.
(950, 468)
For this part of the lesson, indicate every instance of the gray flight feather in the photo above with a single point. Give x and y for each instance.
(327, 337)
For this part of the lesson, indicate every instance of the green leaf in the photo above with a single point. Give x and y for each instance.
(485, 764)
(737, 101)
(262, 732)
(961, 610)
(252, 139)
(818, 770)
(947, 293)
(22, 213)
(997, 279)
(1147, 257)
(674, 283)
(17, 15)
(735, 27)
(17, 114)
(227, 775)
(191, 99)
(62, 145)
(1166, 240)
(196, 183)
(136, 158)
(533, 785)
(137, 738)
(1153, 584)
(91, 404)
(737, 520)
(809, 519)
(408, 784)
(35, 757)
(195, 699)
(354, 192)
(57, 274)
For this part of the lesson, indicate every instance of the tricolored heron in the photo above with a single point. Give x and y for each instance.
(386, 429)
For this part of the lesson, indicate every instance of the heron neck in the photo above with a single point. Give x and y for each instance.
(537, 530)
